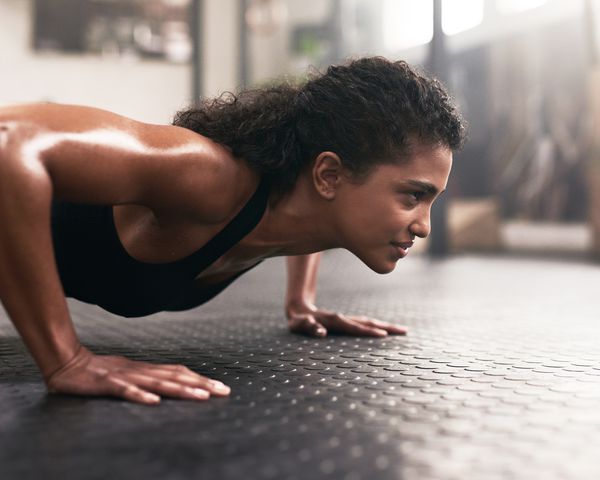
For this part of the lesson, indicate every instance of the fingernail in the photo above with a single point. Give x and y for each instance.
(150, 397)
(321, 331)
(381, 333)
(199, 393)
(220, 387)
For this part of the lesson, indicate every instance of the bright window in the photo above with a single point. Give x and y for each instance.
(514, 6)
(461, 15)
(407, 23)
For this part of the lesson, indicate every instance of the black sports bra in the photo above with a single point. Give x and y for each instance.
(94, 266)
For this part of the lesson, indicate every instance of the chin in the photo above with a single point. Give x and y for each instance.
(377, 263)
(380, 267)
(388, 269)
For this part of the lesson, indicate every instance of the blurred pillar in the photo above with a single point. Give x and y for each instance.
(220, 31)
(337, 27)
(196, 21)
(593, 164)
(437, 64)
(244, 48)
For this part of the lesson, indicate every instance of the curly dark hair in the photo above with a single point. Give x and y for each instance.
(369, 111)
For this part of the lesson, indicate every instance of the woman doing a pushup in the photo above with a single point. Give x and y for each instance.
(140, 218)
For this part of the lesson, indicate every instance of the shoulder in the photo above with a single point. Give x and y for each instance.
(98, 156)
(205, 180)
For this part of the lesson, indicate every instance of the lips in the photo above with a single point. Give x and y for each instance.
(403, 245)
(402, 248)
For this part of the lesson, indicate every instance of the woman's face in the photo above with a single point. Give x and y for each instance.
(380, 217)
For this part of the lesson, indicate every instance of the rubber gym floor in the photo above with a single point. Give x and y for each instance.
(499, 378)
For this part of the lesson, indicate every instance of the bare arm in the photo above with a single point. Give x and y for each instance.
(304, 317)
(301, 282)
(88, 155)
(29, 285)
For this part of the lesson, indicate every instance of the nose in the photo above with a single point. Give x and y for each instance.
(421, 225)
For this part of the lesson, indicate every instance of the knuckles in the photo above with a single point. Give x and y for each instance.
(101, 374)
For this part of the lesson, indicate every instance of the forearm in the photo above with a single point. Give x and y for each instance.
(302, 280)
(30, 288)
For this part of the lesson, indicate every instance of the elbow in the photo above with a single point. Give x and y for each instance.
(24, 180)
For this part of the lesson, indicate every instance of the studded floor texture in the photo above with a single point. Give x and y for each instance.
(499, 378)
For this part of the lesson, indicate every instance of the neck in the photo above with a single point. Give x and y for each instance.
(299, 224)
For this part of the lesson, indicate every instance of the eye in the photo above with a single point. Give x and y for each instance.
(415, 196)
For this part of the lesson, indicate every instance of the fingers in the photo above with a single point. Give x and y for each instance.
(167, 388)
(146, 383)
(128, 391)
(350, 326)
(186, 377)
(306, 323)
(388, 327)
(359, 325)
(316, 325)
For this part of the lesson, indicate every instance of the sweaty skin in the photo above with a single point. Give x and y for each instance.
(172, 190)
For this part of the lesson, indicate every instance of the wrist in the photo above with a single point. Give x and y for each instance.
(299, 305)
(49, 370)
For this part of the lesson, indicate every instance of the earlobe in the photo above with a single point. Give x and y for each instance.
(327, 173)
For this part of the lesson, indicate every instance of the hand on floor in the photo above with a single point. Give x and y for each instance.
(315, 322)
(100, 375)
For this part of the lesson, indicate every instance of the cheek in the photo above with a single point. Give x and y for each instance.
(385, 224)
(396, 217)
(384, 205)
(372, 219)
(381, 218)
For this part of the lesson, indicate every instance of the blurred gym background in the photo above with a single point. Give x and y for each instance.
(525, 73)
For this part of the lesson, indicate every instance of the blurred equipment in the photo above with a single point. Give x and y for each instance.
(126, 28)
(593, 167)
(474, 224)
(265, 16)
(593, 164)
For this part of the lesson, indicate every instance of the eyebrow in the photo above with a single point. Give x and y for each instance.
(425, 186)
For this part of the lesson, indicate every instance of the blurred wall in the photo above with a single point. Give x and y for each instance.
(146, 90)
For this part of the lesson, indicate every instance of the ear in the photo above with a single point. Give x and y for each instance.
(327, 174)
